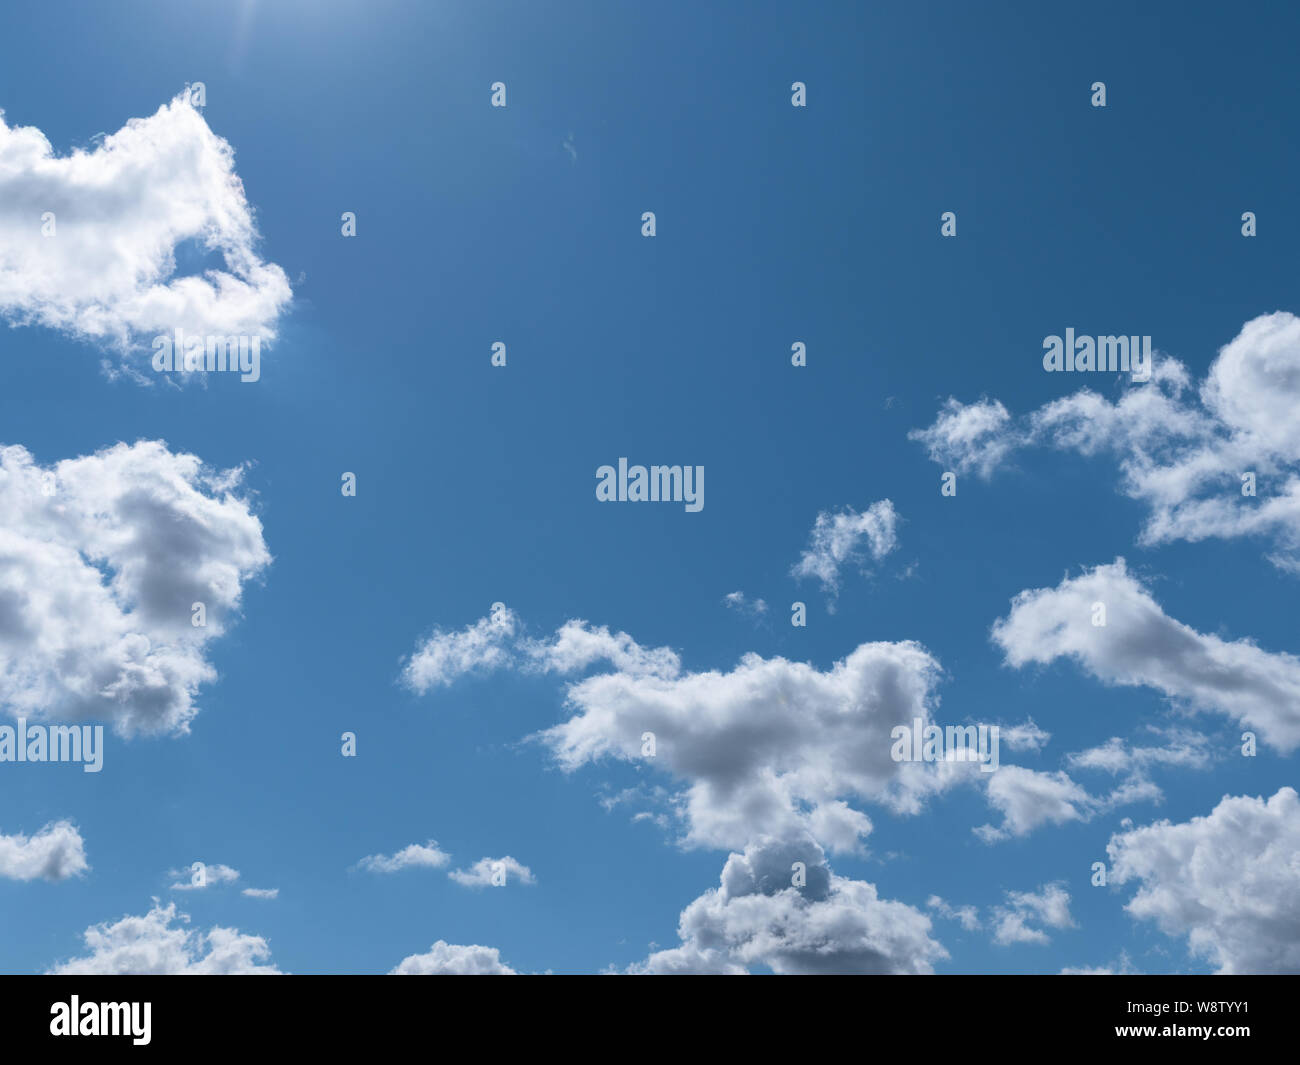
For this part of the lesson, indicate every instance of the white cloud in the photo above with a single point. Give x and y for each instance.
(123, 211)
(153, 945)
(1014, 922)
(497, 642)
(212, 875)
(839, 538)
(450, 959)
(101, 560)
(415, 856)
(771, 747)
(966, 916)
(1121, 967)
(261, 893)
(1140, 645)
(757, 917)
(1028, 799)
(489, 872)
(1184, 749)
(1024, 737)
(1226, 881)
(578, 645)
(688, 960)
(478, 648)
(774, 747)
(56, 852)
(970, 438)
(742, 604)
(1179, 451)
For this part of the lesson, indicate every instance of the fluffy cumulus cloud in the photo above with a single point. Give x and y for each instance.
(56, 852)
(1028, 799)
(770, 760)
(493, 872)
(450, 959)
(772, 746)
(102, 558)
(1140, 645)
(126, 215)
(1025, 915)
(758, 917)
(445, 656)
(158, 943)
(1227, 881)
(846, 537)
(970, 438)
(1180, 449)
(415, 856)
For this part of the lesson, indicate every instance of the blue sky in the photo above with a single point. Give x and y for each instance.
(775, 224)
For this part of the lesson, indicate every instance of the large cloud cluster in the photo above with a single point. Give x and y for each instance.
(158, 943)
(1141, 645)
(102, 559)
(122, 211)
(56, 852)
(1226, 881)
(759, 916)
(1181, 451)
